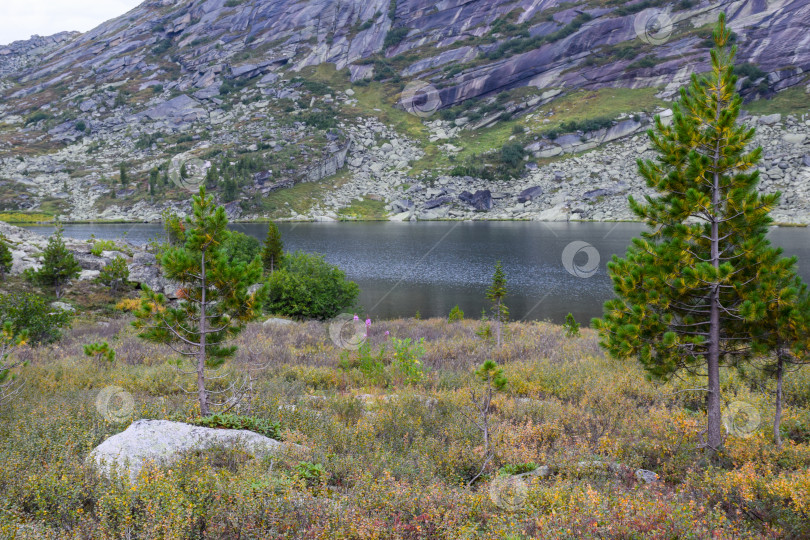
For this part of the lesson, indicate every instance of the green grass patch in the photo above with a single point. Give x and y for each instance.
(299, 198)
(791, 101)
(25, 217)
(365, 210)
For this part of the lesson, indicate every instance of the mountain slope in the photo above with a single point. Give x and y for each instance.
(269, 93)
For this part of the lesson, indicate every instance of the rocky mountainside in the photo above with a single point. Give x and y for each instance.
(333, 109)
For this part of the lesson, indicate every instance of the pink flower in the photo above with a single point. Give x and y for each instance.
(387, 332)
(368, 322)
(356, 318)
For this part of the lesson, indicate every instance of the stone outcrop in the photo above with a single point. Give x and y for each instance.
(161, 442)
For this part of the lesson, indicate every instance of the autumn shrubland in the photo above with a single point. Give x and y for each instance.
(390, 445)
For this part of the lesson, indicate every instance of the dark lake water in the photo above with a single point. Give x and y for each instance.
(430, 267)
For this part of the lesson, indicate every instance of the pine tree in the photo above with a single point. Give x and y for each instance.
(495, 294)
(58, 264)
(784, 332)
(6, 259)
(154, 174)
(273, 248)
(688, 297)
(214, 302)
(122, 174)
(114, 274)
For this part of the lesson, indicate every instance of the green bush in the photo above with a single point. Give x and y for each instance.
(307, 287)
(36, 117)
(408, 359)
(455, 315)
(234, 421)
(103, 245)
(30, 312)
(114, 274)
(512, 155)
(6, 259)
(321, 119)
(395, 37)
(241, 248)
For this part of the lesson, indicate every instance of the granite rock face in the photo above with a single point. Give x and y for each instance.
(165, 75)
(204, 38)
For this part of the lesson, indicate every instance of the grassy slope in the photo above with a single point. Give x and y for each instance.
(397, 467)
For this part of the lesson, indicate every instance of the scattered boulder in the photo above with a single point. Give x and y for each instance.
(402, 205)
(162, 441)
(62, 306)
(596, 193)
(275, 321)
(530, 194)
(648, 477)
(770, 119)
(437, 202)
(481, 200)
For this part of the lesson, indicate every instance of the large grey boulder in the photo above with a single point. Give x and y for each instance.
(481, 200)
(530, 193)
(162, 441)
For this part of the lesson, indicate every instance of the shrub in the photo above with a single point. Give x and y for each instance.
(307, 287)
(321, 119)
(311, 473)
(114, 274)
(36, 117)
(646, 62)
(456, 315)
(30, 312)
(512, 155)
(100, 246)
(234, 421)
(241, 248)
(571, 326)
(6, 260)
(407, 358)
(101, 353)
(395, 37)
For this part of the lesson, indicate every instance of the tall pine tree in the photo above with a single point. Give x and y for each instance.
(214, 302)
(495, 294)
(688, 294)
(273, 248)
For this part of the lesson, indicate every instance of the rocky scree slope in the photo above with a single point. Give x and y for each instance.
(226, 81)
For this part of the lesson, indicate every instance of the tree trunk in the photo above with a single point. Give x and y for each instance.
(715, 418)
(202, 394)
(777, 417)
(498, 315)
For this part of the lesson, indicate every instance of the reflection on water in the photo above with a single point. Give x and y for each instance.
(430, 267)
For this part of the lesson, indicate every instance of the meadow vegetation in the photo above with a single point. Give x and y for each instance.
(391, 456)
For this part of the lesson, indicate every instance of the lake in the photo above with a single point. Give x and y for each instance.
(429, 267)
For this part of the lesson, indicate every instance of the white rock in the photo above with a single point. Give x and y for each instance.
(162, 441)
(275, 321)
(63, 306)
